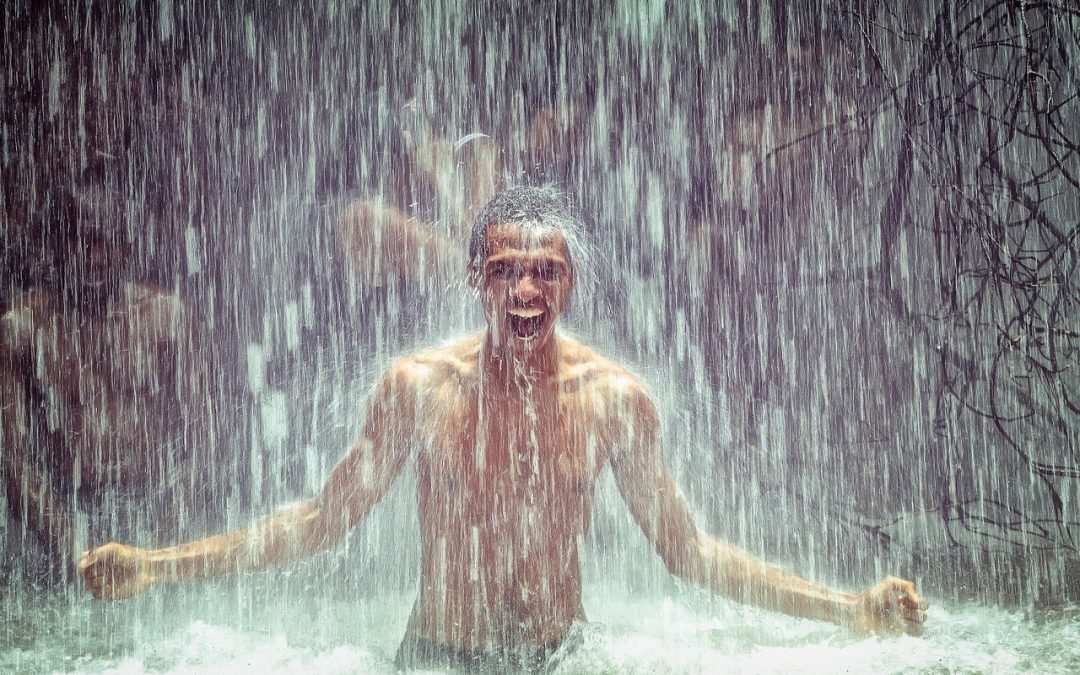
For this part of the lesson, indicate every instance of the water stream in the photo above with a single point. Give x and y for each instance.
(837, 241)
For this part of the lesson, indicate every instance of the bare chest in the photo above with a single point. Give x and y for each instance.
(501, 462)
(108, 388)
(109, 357)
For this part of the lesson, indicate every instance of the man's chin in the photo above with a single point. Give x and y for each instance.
(93, 293)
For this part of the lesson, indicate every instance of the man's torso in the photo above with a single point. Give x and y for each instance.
(506, 475)
(106, 383)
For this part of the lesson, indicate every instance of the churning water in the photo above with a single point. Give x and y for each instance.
(280, 626)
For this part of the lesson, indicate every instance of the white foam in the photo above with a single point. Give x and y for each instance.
(271, 627)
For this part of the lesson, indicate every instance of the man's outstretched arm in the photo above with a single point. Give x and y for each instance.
(891, 606)
(115, 571)
(383, 242)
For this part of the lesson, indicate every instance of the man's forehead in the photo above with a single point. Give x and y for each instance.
(101, 209)
(504, 237)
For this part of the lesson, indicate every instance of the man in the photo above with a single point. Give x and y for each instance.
(510, 429)
(449, 180)
(93, 414)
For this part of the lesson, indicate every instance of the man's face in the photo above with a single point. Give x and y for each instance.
(97, 263)
(96, 255)
(525, 283)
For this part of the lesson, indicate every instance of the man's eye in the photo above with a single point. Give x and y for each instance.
(500, 271)
(548, 273)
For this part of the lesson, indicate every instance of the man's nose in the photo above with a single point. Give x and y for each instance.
(526, 288)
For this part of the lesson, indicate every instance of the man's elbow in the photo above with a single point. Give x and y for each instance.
(325, 527)
(701, 564)
(684, 561)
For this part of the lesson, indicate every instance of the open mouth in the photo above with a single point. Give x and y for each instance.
(525, 322)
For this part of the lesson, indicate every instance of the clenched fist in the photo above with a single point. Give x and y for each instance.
(115, 571)
(892, 607)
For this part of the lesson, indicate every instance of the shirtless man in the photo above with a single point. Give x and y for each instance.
(510, 430)
(383, 242)
(385, 239)
(93, 403)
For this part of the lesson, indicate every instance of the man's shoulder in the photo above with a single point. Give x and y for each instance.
(452, 360)
(17, 325)
(36, 301)
(584, 366)
(147, 298)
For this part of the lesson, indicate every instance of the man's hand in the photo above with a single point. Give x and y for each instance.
(115, 571)
(892, 607)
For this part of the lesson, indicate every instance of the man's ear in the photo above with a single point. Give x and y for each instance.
(472, 276)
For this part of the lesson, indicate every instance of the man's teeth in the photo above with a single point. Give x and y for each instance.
(526, 313)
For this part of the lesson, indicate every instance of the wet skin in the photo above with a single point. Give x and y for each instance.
(100, 359)
(111, 374)
(510, 429)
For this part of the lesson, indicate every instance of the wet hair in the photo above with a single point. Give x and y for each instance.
(540, 207)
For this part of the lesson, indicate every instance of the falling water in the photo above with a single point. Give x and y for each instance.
(837, 240)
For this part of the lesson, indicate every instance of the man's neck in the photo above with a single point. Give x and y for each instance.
(506, 368)
(91, 301)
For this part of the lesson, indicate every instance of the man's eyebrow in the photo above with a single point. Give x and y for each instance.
(529, 258)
